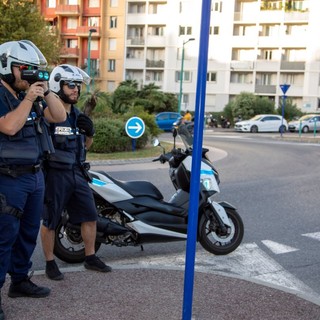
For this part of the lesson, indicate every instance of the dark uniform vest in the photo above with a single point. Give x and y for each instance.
(29, 145)
(68, 142)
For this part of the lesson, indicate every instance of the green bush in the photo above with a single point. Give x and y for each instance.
(110, 137)
(291, 111)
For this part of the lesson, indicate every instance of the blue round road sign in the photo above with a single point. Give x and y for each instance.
(135, 127)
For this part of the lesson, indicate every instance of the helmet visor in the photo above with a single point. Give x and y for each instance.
(42, 59)
(86, 78)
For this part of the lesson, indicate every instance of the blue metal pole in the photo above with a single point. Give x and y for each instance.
(282, 112)
(196, 161)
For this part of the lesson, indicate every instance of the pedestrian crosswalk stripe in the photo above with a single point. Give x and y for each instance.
(278, 248)
(314, 235)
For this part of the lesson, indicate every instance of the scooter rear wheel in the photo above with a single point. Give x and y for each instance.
(69, 245)
(214, 240)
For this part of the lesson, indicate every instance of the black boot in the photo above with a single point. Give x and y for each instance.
(26, 288)
(1, 311)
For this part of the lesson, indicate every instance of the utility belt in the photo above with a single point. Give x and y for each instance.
(18, 170)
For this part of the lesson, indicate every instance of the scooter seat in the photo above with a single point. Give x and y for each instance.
(141, 188)
(137, 188)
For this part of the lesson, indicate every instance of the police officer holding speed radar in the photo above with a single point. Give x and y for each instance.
(25, 106)
(66, 175)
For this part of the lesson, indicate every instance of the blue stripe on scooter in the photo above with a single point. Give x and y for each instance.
(207, 172)
(97, 182)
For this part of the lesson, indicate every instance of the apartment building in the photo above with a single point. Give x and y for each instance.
(254, 46)
(90, 28)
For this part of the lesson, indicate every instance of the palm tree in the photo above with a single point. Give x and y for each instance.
(91, 100)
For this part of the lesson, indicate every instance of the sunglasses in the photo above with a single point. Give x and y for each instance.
(26, 67)
(73, 85)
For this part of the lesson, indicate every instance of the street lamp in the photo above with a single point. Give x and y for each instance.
(89, 45)
(181, 74)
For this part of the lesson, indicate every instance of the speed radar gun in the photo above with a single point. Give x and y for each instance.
(33, 76)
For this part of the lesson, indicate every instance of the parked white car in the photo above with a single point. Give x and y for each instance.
(262, 123)
(307, 123)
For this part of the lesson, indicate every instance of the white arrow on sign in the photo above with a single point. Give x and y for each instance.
(137, 127)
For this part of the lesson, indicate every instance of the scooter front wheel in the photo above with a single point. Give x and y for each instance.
(217, 241)
(69, 245)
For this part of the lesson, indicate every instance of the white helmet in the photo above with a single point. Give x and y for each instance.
(66, 73)
(20, 53)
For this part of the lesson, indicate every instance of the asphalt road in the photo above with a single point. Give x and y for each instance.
(274, 184)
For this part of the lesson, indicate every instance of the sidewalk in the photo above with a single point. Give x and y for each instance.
(147, 294)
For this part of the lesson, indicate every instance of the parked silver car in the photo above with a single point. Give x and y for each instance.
(306, 123)
(262, 123)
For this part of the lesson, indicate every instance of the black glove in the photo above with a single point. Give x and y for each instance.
(85, 125)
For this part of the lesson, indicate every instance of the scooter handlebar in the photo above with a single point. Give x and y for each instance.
(163, 158)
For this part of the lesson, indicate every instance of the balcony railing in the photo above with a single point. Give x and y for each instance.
(68, 10)
(135, 41)
(263, 88)
(84, 31)
(154, 63)
(293, 65)
(69, 52)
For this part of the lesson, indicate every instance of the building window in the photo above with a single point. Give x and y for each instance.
(136, 8)
(211, 77)
(214, 30)
(94, 4)
(156, 31)
(71, 43)
(240, 77)
(185, 30)
(94, 45)
(72, 23)
(292, 78)
(94, 67)
(51, 3)
(113, 22)
(93, 21)
(111, 65)
(113, 3)
(265, 79)
(111, 86)
(112, 44)
(186, 76)
(216, 6)
(154, 76)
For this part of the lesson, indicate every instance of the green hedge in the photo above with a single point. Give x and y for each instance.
(111, 136)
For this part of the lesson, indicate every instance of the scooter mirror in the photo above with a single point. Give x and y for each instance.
(174, 132)
(155, 142)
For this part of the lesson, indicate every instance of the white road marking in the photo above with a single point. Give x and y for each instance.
(247, 261)
(278, 248)
(314, 235)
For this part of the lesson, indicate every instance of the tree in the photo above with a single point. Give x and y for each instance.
(95, 102)
(21, 19)
(123, 98)
(291, 110)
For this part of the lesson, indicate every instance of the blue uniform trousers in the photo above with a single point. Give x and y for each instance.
(18, 236)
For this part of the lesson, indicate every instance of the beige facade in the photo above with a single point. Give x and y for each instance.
(254, 46)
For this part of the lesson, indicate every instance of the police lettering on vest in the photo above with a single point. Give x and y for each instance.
(68, 142)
